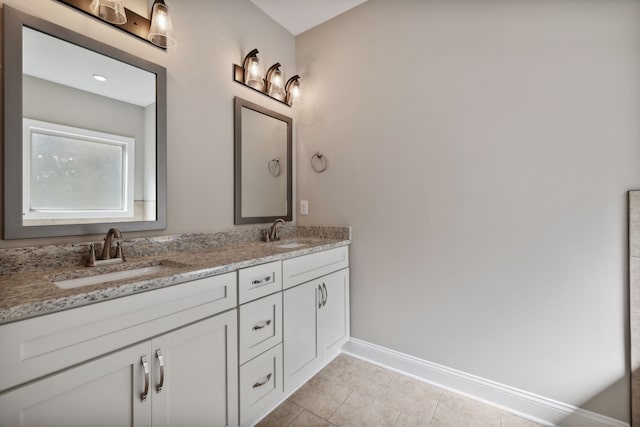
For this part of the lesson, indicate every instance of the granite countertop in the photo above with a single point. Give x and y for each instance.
(27, 294)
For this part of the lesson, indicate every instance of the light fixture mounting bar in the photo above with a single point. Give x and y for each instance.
(238, 76)
(136, 25)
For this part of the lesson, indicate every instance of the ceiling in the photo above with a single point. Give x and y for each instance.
(56, 60)
(297, 16)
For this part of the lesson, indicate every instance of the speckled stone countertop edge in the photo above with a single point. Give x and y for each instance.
(211, 263)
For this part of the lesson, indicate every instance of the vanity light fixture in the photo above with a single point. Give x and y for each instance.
(249, 74)
(292, 89)
(161, 30)
(274, 82)
(111, 11)
(158, 30)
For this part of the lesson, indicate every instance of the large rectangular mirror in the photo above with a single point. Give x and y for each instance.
(263, 176)
(85, 134)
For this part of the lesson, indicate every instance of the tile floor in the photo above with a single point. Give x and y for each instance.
(351, 392)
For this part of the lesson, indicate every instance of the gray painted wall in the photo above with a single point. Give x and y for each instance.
(482, 151)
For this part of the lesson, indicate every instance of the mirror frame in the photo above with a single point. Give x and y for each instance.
(14, 21)
(239, 219)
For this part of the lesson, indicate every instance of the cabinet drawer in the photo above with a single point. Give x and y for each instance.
(258, 281)
(308, 267)
(260, 326)
(260, 383)
(35, 347)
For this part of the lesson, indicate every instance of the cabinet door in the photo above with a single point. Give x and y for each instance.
(196, 383)
(302, 356)
(103, 392)
(334, 313)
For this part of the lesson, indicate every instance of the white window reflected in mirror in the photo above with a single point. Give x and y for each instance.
(76, 173)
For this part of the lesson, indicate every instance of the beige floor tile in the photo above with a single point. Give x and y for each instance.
(455, 411)
(307, 419)
(362, 410)
(335, 368)
(282, 415)
(366, 378)
(411, 420)
(321, 396)
(411, 396)
(508, 420)
(352, 393)
(421, 404)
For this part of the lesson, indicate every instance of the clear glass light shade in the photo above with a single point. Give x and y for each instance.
(276, 88)
(111, 11)
(253, 73)
(161, 31)
(294, 93)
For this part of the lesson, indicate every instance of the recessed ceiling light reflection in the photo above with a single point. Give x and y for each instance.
(100, 77)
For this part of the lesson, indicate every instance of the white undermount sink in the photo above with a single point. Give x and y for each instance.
(111, 276)
(291, 245)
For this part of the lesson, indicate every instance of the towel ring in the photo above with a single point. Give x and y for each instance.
(320, 164)
(274, 167)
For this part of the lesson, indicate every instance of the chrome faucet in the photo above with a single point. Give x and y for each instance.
(273, 231)
(112, 235)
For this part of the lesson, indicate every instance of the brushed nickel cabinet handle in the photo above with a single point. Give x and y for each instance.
(145, 367)
(321, 296)
(161, 363)
(261, 325)
(260, 384)
(262, 281)
(326, 294)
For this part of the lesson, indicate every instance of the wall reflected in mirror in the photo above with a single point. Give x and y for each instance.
(263, 143)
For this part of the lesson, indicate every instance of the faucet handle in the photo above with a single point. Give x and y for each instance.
(92, 255)
(119, 253)
(265, 234)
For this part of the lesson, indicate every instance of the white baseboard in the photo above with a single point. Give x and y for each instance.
(539, 409)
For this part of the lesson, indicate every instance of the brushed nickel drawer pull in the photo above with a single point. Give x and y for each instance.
(262, 281)
(256, 385)
(161, 363)
(321, 296)
(261, 325)
(145, 367)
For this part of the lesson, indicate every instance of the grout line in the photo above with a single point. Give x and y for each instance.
(436, 408)
(340, 405)
(397, 418)
(296, 416)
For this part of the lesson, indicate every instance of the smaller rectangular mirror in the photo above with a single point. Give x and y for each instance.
(263, 164)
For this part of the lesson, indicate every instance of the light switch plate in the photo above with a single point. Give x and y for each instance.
(304, 207)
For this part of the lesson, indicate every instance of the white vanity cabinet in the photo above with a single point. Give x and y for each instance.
(315, 313)
(186, 376)
(217, 351)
